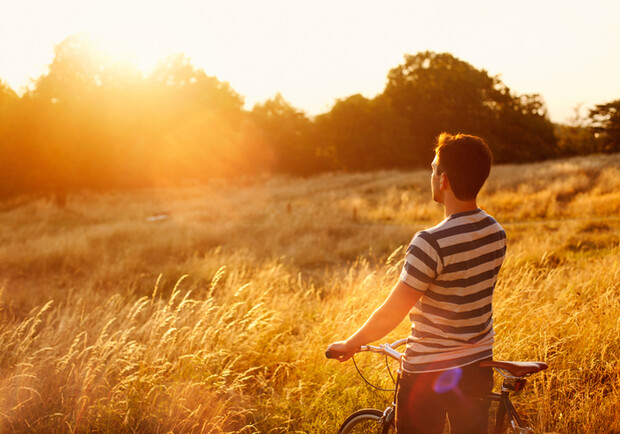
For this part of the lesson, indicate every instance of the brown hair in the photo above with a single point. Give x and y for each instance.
(466, 160)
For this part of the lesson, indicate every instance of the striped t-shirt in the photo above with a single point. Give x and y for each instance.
(455, 265)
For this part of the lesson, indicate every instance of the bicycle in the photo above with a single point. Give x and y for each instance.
(368, 420)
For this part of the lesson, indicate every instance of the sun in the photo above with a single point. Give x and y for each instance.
(144, 51)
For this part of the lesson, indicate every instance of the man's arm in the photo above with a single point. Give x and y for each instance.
(381, 322)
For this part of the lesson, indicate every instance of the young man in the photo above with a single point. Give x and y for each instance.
(446, 287)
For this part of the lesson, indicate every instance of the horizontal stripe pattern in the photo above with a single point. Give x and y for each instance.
(455, 265)
(444, 365)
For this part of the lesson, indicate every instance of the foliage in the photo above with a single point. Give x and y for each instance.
(94, 122)
(575, 137)
(7, 97)
(606, 124)
(362, 134)
(289, 136)
(437, 92)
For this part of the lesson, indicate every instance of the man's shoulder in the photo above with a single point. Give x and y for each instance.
(493, 222)
(456, 226)
(433, 230)
(488, 216)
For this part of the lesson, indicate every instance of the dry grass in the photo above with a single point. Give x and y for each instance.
(215, 319)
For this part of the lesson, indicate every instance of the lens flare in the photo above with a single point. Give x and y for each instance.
(448, 380)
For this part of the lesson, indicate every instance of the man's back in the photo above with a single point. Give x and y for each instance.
(455, 264)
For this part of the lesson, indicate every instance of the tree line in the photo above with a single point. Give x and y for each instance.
(93, 121)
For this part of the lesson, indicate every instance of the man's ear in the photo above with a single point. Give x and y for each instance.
(444, 182)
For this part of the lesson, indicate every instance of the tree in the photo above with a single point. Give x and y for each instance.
(82, 68)
(9, 148)
(521, 131)
(8, 103)
(93, 121)
(183, 88)
(289, 136)
(195, 122)
(363, 134)
(7, 96)
(606, 125)
(438, 92)
(575, 136)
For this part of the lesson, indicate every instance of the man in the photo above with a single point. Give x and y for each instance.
(446, 286)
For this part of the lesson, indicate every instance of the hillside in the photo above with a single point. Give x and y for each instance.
(207, 308)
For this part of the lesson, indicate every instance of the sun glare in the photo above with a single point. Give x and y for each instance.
(143, 51)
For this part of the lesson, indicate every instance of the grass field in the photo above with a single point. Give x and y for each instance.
(215, 317)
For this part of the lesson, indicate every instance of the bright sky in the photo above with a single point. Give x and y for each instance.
(314, 52)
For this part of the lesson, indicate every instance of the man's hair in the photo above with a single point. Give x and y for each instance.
(466, 160)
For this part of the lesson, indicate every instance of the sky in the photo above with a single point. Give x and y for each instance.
(315, 52)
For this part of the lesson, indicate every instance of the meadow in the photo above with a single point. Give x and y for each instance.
(207, 308)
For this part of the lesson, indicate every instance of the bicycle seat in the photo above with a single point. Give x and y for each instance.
(518, 369)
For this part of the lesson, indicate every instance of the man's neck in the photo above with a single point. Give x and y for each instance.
(456, 206)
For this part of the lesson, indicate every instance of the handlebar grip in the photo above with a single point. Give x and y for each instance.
(329, 354)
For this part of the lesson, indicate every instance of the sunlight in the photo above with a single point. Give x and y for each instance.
(143, 51)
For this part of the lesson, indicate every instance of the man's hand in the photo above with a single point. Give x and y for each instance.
(342, 351)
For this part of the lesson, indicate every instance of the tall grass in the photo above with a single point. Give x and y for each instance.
(215, 319)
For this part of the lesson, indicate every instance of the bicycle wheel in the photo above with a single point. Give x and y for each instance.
(366, 420)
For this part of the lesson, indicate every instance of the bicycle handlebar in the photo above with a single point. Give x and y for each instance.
(387, 349)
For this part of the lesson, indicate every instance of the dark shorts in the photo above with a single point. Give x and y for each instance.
(424, 399)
